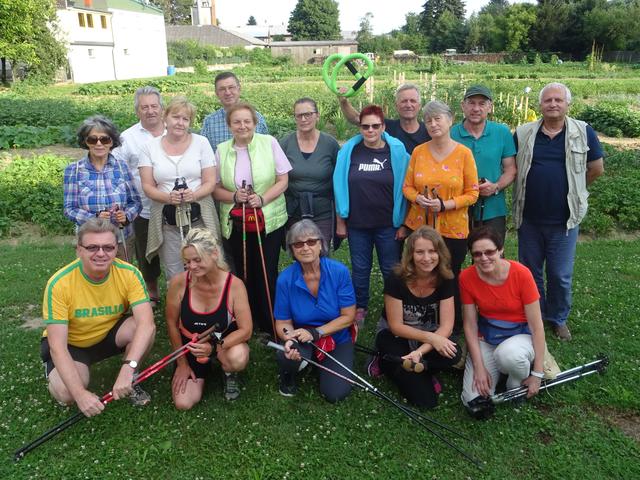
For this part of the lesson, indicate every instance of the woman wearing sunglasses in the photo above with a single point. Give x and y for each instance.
(100, 185)
(502, 323)
(312, 155)
(315, 302)
(367, 185)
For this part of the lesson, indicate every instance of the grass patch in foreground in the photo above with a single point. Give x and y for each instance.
(564, 434)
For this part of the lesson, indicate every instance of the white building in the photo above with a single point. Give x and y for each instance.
(113, 39)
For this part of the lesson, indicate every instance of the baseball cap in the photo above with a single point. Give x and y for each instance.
(478, 90)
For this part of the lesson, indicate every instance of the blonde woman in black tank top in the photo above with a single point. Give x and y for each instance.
(204, 295)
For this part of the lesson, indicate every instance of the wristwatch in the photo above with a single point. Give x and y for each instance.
(539, 375)
(132, 363)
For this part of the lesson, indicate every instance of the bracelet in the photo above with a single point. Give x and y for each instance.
(261, 200)
(539, 375)
(442, 207)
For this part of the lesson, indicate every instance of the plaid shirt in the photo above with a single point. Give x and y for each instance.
(88, 191)
(216, 130)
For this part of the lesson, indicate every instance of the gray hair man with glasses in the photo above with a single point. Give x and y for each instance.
(94, 308)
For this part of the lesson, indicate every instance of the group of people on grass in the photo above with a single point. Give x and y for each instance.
(213, 211)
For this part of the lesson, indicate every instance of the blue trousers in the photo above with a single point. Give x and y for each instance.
(361, 243)
(550, 250)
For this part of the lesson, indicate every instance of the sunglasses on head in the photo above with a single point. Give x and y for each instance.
(103, 139)
(310, 242)
(369, 126)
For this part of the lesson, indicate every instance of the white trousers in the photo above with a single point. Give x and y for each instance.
(512, 357)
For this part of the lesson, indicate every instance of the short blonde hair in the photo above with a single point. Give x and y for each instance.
(180, 103)
(204, 243)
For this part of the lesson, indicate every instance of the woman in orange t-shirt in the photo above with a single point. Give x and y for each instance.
(441, 184)
(502, 323)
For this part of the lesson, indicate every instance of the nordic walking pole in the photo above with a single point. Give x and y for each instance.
(367, 387)
(407, 364)
(264, 267)
(116, 207)
(244, 237)
(108, 397)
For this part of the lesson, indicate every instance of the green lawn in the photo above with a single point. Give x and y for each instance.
(569, 432)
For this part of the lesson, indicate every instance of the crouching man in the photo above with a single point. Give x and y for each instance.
(94, 308)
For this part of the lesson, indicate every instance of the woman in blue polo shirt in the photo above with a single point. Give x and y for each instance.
(315, 302)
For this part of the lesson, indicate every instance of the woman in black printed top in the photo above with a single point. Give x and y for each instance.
(417, 320)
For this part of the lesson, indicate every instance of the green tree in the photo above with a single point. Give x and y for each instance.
(485, 33)
(28, 37)
(447, 32)
(518, 20)
(365, 34)
(495, 7)
(609, 25)
(410, 36)
(434, 9)
(252, 21)
(315, 20)
(176, 12)
(552, 18)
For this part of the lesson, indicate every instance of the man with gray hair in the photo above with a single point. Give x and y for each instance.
(94, 308)
(558, 157)
(407, 128)
(148, 107)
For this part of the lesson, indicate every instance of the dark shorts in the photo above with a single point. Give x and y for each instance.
(89, 355)
(202, 370)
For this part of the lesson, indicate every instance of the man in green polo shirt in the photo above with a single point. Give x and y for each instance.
(494, 151)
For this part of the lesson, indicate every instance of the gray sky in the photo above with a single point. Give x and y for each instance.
(387, 14)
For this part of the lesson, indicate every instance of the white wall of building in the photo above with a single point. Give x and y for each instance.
(140, 44)
(91, 63)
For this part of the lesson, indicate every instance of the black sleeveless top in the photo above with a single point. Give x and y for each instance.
(198, 322)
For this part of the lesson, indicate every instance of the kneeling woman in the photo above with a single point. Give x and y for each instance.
(315, 302)
(417, 320)
(502, 322)
(205, 295)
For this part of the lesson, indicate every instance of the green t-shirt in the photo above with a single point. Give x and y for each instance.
(495, 143)
(311, 175)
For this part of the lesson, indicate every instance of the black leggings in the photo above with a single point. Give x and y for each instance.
(417, 388)
(331, 387)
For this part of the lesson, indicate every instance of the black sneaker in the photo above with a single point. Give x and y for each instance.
(288, 386)
(231, 387)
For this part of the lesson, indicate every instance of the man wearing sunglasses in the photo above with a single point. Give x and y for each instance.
(94, 308)
(407, 128)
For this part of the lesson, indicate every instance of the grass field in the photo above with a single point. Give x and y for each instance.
(587, 429)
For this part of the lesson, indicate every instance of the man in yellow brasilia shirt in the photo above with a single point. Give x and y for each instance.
(86, 312)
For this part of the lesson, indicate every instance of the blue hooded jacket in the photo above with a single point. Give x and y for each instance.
(399, 163)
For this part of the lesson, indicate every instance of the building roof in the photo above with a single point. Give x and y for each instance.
(142, 6)
(209, 35)
(313, 43)
(260, 31)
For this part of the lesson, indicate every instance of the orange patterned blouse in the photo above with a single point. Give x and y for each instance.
(454, 177)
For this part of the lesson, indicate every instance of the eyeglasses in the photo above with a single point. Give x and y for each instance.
(369, 126)
(310, 242)
(305, 115)
(97, 248)
(103, 139)
(486, 253)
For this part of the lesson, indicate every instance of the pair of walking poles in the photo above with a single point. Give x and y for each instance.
(208, 334)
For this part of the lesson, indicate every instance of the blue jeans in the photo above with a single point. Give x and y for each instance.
(550, 250)
(361, 243)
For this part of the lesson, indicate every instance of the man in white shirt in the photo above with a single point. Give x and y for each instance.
(148, 107)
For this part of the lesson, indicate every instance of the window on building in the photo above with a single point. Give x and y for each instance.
(81, 20)
(91, 53)
(103, 21)
(317, 51)
(126, 51)
(89, 20)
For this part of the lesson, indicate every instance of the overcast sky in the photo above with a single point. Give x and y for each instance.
(387, 14)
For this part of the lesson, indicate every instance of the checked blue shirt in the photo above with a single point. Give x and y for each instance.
(88, 191)
(216, 130)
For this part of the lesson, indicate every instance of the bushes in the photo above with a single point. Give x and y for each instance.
(22, 136)
(612, 119)
(185, 53)
(128, 87)
(31, 191)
